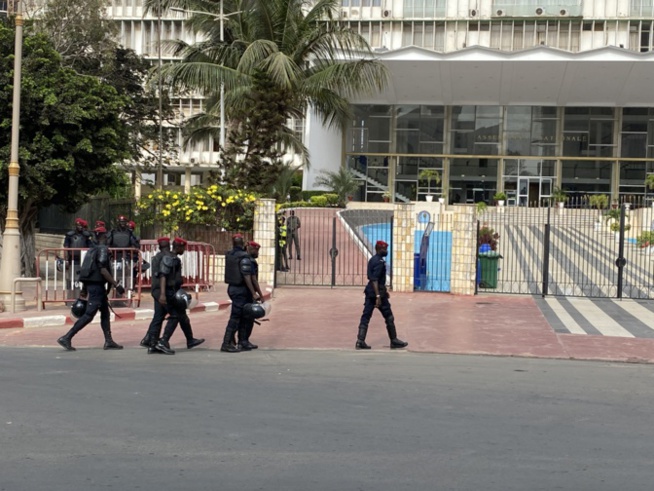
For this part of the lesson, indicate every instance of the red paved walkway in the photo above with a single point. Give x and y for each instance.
(324, 318)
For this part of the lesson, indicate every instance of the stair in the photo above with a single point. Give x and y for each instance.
(377, 184)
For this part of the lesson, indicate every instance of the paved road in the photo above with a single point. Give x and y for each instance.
(308, 420)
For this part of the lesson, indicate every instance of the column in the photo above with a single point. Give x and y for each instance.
(464, 247)
(404, 226)
(264, 235)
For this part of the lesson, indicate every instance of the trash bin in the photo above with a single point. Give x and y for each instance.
(489, 266)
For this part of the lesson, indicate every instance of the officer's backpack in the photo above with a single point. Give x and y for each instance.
(88, 265)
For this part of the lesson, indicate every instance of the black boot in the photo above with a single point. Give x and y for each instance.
(163, 347)
(228, 346)
(193, 342)
(361, 339)
(146, 342)
(65, 340)
(110, 343)
(392, 334)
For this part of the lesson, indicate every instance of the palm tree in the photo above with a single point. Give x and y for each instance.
(290, 54)
(341, 182)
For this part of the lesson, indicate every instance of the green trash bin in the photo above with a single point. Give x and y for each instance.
(488, 263)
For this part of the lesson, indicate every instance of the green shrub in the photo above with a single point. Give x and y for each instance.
(295, 204)
(645, 239)
(306, 195)
(318, 201)
(332, 199)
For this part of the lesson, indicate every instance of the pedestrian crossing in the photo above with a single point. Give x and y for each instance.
(625, 318)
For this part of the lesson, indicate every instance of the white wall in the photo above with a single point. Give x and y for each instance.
(325, 150)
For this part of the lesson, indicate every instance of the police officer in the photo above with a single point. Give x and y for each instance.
(122, 238)
(170, 280)
(282, 257)
(377, 297)
(154, 330)
(96, 287)
(293, 225)
(79, 238)
(239, 270)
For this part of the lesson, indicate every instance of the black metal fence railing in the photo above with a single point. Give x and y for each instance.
(571, 250)
(334, 246)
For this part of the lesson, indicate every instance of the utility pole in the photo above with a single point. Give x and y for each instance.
(10, 264)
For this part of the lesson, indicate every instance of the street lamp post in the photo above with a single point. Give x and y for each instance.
(10, 266)
(160, 88)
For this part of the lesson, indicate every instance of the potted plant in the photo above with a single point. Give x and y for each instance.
(613, 218)
(599, 202)
(444, 194)
(429, 175)
(500, 198)
(481, 207)
(386, 196)
(559, 196)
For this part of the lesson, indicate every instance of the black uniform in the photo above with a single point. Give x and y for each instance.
(170, 266)
(160, 311)
(76, 240)
(124, 238)
(97, 298)
(238, 264)
(376, 272)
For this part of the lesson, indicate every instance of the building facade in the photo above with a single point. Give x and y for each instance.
(514, 96)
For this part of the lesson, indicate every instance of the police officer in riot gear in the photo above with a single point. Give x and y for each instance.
(377, 297)
(169, 272)
(122, 238)
(240, 275)
(97, 285)
(154, 330)
(79, 238)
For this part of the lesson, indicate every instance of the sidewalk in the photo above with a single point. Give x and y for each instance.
(324, 318)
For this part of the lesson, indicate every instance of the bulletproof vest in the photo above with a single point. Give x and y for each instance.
(233, 274)
(78, 241)
(121, 238)
(90, 270)
(171, 268)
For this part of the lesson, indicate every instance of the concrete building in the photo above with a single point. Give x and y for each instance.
(519, 96)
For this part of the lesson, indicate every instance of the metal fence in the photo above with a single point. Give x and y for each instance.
(572, 250)
(334, 247)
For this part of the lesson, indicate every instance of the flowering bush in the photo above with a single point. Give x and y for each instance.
(229, 209)
(488, 236)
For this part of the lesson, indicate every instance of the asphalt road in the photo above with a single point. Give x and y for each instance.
(321, 420)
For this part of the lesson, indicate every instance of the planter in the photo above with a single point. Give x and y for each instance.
(500, 202)
(429, 198)
(441, 201)
(560, 205)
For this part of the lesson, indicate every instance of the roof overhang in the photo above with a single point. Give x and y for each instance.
(542, 75)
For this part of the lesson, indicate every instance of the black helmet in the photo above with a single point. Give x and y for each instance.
(60, 264)
(78, 308)
(183, 298)
(256, 310)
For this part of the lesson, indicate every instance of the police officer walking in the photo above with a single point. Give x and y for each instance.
(241, 275)
(79, 238)
(97, 282)
(293, 225)
(377, 297)
(169, 272)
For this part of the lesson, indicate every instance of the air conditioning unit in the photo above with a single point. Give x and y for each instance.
(473, 12)
(563, 13)
(386, 14)
(354, 13)
(540, 10)
(499, 12)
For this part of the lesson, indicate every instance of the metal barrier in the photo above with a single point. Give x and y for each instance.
(195, 264)
(39, 304)
(60, 275)
(127, 266)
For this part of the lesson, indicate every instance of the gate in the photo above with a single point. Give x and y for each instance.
(572, 250)
(334, 246)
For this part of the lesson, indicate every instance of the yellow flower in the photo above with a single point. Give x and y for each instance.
(223, 204)
(168, 206)
(205, 208)
(149, 196)
(175, 196)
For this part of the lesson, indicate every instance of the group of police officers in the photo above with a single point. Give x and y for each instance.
(241, 275)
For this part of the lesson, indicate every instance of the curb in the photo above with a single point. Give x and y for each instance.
(120, 314)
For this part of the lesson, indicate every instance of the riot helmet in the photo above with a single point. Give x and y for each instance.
(78, 308)
(60, 264)
(183, 298)
(256, 310)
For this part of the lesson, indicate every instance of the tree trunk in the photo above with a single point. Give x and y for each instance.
(27, 222)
